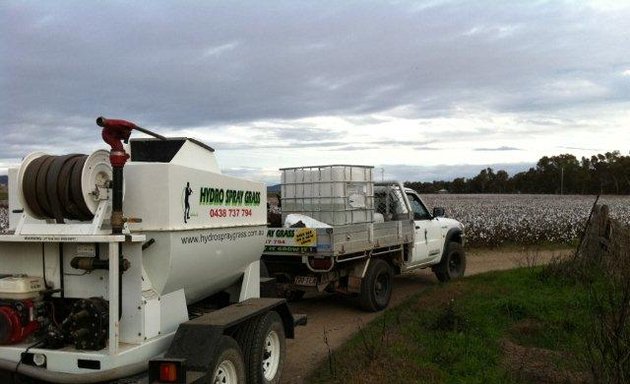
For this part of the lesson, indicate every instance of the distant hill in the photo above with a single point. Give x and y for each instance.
(273, 188)
(4, 179)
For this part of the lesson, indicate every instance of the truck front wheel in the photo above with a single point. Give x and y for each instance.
(263, 342)
(376, 286)
(453, 263)
(228, 366)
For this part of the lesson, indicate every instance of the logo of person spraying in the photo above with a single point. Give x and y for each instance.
(187, 192)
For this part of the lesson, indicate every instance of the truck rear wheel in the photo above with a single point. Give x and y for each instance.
(376, 286)
(228, 366)
(453, 263)
(264, 345)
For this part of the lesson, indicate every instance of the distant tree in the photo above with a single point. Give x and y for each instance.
(607, 173)
(459, 185)
(501, 182)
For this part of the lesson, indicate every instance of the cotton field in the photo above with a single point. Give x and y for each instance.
(4, 218)
(524, 219)
(520, 219)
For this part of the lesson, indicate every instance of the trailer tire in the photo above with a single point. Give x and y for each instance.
(228, 366)
(453, 263)
(376, 286)
(264, 344)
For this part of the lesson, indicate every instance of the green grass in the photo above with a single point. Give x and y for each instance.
(457, 332)
(4, 195)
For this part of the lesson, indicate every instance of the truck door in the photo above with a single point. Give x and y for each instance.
(428, 236)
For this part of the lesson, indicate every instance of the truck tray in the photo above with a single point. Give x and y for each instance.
(340, 241)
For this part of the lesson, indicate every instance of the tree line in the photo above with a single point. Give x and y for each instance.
(607, 173)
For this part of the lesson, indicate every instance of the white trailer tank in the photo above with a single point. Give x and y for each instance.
(205, 228)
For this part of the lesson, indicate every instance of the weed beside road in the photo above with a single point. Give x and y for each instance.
(565, 322)
(499, 327)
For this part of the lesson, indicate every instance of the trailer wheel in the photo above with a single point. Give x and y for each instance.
(453, 263)
(264, 345)
(376, 286)
(228, 367)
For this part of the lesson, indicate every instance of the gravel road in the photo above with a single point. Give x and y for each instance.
(340, 318)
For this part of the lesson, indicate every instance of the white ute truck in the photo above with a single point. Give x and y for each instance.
(168, 292)
(343, 233)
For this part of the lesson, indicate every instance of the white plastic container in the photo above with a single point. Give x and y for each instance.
(333, 194)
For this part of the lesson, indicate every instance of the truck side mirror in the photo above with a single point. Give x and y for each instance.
(438, 212)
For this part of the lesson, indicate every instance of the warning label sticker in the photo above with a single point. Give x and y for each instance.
(306, 237)
(291, 240)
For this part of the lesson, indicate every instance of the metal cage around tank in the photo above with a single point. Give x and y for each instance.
(336, 194)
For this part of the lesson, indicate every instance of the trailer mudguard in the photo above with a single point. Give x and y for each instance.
(196, 340)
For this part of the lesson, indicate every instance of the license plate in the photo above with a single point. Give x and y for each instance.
(308, 281)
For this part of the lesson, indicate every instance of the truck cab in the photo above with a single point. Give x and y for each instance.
(431, 231)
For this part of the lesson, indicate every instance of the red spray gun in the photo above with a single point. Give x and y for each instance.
(114, 133)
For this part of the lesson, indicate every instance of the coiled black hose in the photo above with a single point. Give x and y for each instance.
(52, 188)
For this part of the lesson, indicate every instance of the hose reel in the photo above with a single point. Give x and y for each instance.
(64, 187)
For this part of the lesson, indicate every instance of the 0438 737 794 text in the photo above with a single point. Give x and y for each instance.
(230, 212)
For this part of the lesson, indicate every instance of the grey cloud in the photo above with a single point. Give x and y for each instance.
(583, 149)
(297, 134)
(63, 135)
(386, 144)
(179, 66)
(314, 139)
(279, 144)
(354, 147)
(503, 148)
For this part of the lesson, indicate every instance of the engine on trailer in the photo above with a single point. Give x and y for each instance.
(17, 320)
(21, 308)
(26, 312)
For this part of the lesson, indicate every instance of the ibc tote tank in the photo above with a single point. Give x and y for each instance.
(208, 227)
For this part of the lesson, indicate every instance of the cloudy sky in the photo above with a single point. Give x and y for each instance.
(422, 90)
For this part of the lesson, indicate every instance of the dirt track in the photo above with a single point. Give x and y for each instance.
(340, 317)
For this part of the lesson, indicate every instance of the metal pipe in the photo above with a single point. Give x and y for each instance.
(143, 130)
(88, 263)
(120, 278)
(114, 297)
(61, 273)
(117, 200)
